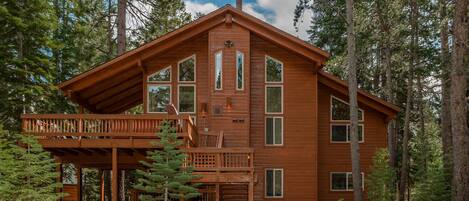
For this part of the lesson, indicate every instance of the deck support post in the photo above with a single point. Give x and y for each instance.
(217, 195)
(251, 191)
(115, 176)
(78, 172)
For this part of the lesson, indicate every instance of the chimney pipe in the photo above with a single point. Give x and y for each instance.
(239, 4)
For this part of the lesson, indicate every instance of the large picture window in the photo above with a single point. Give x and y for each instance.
(341, 132)
(164, 75)
(342, 181)
(186, 69)
(274, 183)
(239, 70)
(186, 98)
(273, 99)
(273, 70)
(159, 96)
(219, 70)
(273, 130)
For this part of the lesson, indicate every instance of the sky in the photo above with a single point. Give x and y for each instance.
(278, 13)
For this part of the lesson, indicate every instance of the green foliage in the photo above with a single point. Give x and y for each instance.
(434, 186)
(27, 172)
(380, 180)
(165, 177)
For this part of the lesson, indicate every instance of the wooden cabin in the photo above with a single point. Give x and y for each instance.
(259, 118)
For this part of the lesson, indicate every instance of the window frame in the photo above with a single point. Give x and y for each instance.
(170, 75)
(195, 68)
(195, 98)
(281, 99)
(221, 70)
(242, 71)
(148, 96)
(282, 183)
(346, 182)
(347, 125)
(345, 102)
(281, 132)
(265, 70)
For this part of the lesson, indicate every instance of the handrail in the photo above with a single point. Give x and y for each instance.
(216, 159)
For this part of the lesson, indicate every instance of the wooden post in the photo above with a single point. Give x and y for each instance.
(114, 178)
(217, 189)
(78, 172)
(101, 183)
(251, 190)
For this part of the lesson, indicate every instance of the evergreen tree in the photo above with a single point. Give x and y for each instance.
(27, 172)
(379, 180)
(165, 176)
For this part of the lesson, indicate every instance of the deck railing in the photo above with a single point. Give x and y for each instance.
(77, 126)
(220, 160)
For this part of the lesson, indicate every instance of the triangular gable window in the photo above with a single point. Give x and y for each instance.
(164, 75)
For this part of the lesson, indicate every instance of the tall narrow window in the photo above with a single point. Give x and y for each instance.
(219, 70)
(342, 181)
(274, 99)
(274, 183)
(274, 131)
(239, 70)
(159, 96)
(186, 70)
(273, 70)
(186, 98)
(163, 75)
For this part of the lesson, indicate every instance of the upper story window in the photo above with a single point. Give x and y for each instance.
(273, 70)
(219, 70)
(186, 98)
(274, 99)
(342, 181)
(274, 183)
(340, 121)
(163, 75)
(159, 96)
(340, 110)
(239, 70)
(186, 69)
(274, 131)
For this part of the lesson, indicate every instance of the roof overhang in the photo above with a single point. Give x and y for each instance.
(112, 78)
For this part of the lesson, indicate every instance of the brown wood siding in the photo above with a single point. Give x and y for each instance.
(297, 156)
(335, 157)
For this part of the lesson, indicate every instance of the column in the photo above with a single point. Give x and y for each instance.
(115, 177)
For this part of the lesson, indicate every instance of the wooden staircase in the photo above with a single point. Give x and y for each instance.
(234, 192)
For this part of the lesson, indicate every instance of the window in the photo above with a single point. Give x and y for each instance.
(274, 99)
(340, 132)
(239, 71)
(342, 181)
(219, 70)
(340, 110)
(274, 131)
(186, 69)
(186, 98)
(273, 70)
(274, 183)
(163, 75)
(159, 96)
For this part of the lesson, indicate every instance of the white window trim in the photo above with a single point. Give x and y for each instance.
(343, 101)
(347, 133)
(195, 68)
(148, 97)
(346, 181)
(265, 132)
(170, 75)
(265, 70)
(195, 98)
(221, 71)
(281, 99)
(265, 182)
(242, 72)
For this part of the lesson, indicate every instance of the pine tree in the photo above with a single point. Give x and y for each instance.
(379, 181)
(165, 176)
(27, 172)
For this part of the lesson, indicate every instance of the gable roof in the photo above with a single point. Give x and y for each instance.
(386, 108)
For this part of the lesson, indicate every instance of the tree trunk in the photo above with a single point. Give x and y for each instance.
(458, 104)
(121, 9)
(109, 30)
(446, 136)
(352, 81)
(405, 142)
(422, 137)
